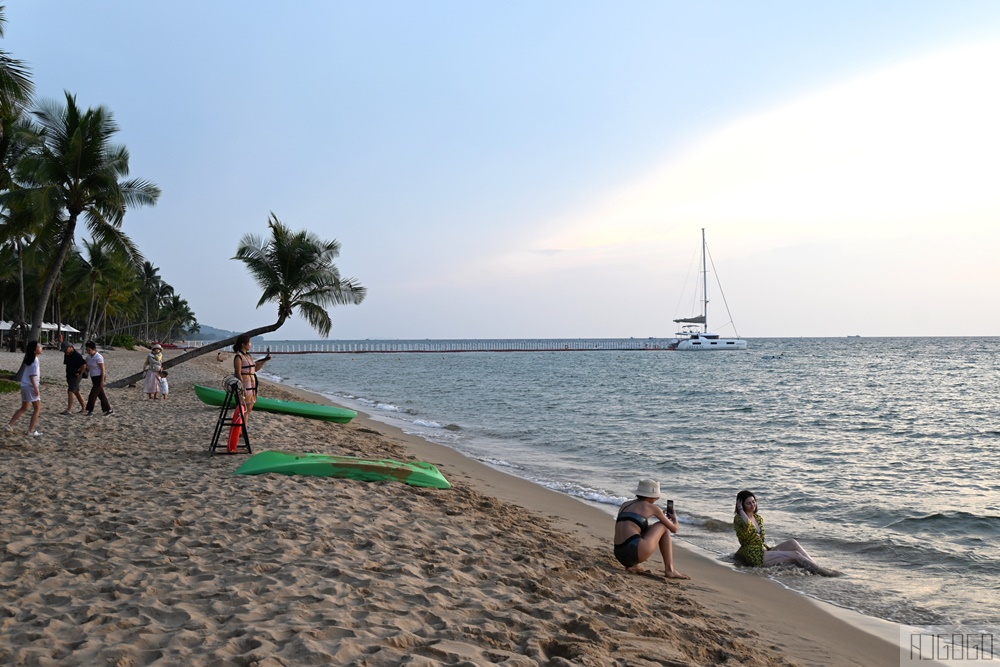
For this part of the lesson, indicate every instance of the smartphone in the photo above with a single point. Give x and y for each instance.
(670, 507)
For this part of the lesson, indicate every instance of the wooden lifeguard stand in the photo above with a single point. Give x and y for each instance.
(231, 415)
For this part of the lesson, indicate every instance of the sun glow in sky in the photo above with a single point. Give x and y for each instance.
(544, 171)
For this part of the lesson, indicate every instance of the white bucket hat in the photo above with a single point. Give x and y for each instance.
(648, 488)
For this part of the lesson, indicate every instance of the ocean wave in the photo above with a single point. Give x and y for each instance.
(384, 406)
(500, 463)
(584, 492)
(954, 524)
(716, 526)
(427, 423)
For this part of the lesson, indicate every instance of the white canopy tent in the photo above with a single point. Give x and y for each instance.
(46, 326)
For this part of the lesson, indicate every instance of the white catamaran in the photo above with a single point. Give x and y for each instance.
(694, 334)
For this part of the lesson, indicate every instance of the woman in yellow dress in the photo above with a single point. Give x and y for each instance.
(753, 551)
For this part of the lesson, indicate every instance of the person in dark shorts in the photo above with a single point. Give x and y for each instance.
(636, 540)
(75, 363)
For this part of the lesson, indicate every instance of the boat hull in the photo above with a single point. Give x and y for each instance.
(417, 473)
(708, 344)
(328, 413)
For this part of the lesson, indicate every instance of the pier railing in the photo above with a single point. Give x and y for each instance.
(440, 346)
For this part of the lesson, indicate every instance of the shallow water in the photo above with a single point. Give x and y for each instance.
(876, 454)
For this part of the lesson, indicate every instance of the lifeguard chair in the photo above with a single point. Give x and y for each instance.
(233, 415)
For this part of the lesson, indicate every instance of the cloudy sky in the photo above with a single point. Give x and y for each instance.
(544, 169)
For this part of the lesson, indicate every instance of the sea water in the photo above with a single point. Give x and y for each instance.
(878, 455)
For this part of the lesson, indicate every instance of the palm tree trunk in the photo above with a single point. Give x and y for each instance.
(192, 354)
(89, 329)
(20, 268)
(50, 280)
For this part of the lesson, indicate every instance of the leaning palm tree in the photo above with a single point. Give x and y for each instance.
(76, 173)
(295, 270)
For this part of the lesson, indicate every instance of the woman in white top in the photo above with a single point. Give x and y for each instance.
(95, 367)
(30, 389)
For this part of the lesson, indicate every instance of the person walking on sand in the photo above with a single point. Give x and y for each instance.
(98, 375)
(635, 540)
(245, 367)
(30, 389)
(152, 366)
(75, 363)
(753, 551)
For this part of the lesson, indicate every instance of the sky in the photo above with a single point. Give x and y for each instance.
(527, 169)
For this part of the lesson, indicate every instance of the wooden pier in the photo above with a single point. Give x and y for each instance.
(451, 346)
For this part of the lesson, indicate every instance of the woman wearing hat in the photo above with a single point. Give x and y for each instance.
(152, 366)
(636, 540)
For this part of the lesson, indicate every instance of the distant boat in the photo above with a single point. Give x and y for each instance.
(694, 334)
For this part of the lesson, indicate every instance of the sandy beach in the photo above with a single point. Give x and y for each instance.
(124, 543)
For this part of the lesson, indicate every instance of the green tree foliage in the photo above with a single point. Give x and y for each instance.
(76, 172)
(296, 272)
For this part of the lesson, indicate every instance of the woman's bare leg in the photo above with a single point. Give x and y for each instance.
(667, 552)
(775, 557)
(658, 537)
(792, 545)
(17, 415)
(34, 416)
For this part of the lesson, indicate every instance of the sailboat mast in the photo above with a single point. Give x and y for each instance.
(704, 283)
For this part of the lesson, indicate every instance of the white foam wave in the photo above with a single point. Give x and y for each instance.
(500, 463)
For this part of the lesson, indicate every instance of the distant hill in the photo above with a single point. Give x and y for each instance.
(211, 333)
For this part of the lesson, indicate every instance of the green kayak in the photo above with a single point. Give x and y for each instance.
(350, 467)
(311, 410)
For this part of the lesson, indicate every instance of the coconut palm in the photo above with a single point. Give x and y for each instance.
(16, 87)
(76, 173)
(17, 229)
(151, 283)
(18, 221)
(295, 270)
(178, 317)
(102, 271)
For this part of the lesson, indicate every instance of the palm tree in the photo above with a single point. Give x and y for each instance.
(102, 271)
(178, 316)
(76, 172)
(16, 87)
(294, 270)
(17, 229)
(151, 282)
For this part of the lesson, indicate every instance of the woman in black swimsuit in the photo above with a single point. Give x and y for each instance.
(245, 367)
(636, 540)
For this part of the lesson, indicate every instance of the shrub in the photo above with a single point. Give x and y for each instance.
(122, 340)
